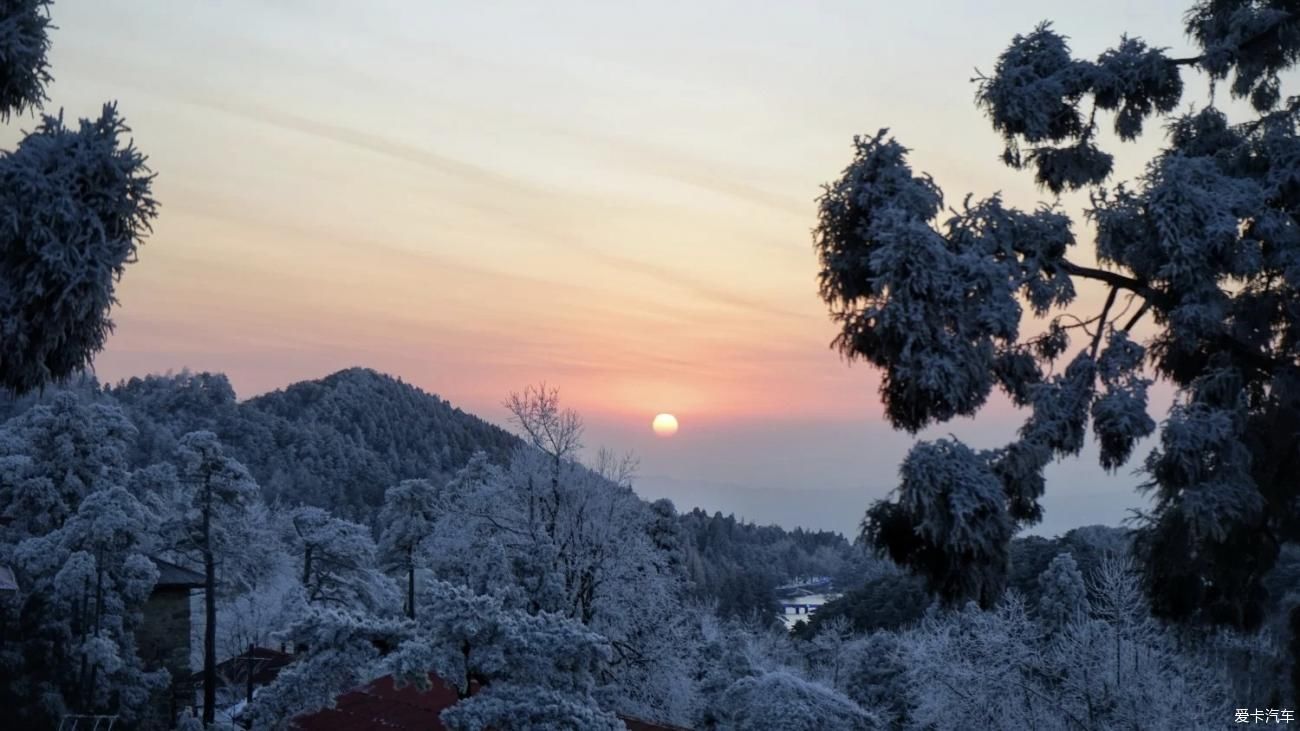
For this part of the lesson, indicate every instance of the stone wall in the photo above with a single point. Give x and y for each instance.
(163, 640)
(164, 637)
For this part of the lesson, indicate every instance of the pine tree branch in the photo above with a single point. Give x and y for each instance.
(1114, 279)
(1101, 321)
(1146, 305)
(1245, 352)
(1256, 39)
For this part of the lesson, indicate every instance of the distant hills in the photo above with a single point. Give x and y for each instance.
(337, 442)
(341, 441)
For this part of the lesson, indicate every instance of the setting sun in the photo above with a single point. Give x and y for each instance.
(665, 425)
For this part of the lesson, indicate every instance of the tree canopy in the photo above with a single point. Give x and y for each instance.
(75, 202)
(1203, 250)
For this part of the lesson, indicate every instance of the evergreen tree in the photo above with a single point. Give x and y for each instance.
(407, 518)
(1203, 246)
(338, 562)
(85, 586)
(217, 495)
(1063, 595)
(780, 700)
(76, 204)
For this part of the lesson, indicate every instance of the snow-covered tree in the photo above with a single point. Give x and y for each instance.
(406, 520)
(24, 43)
(338, 650)
(1002, 668)
(76, 204)
(510, 707)
(950, 522)
(338, 562)
(54, 455)
(79, 541)
(540, 667)
(548, 533)
(85, 585)
(526, 671)
(875, 677)
(1063, 594)
(1203, 247)
(258, 609)
(828, 651)
(781, 700)
(217, 495)
(973, 668)
(1108, 668)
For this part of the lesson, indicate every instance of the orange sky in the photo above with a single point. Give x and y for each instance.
(614, 198)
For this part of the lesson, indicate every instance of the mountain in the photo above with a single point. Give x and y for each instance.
(337, 442)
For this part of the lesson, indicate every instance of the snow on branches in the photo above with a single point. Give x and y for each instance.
(24, 43)
(950, 522)
(75, 203)
(1205, 245)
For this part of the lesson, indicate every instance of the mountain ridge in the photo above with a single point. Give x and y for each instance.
(337, 442)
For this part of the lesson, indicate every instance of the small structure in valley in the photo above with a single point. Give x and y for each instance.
(801, 598)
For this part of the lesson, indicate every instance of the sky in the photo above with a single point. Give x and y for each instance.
(613, 198)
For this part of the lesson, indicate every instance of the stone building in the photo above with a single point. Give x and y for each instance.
(163, 639)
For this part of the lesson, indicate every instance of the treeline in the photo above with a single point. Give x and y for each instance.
(889, 598)
(335, 443)
(352, 513)
(738, 565)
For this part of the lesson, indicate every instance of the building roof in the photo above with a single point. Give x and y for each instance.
(265, 663)
(172, 576)
(7, 580)
(382, 706)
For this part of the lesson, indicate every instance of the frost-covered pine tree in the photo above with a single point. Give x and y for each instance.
(511, 669)
(781, 700)
(875, 677)
(78, 540)
(1203, 250)
(1063, 594)
(338, 562)
(53, 455)
(216, 495)
(76, 203)
(406, 520)
(85, 585)
(338, 650)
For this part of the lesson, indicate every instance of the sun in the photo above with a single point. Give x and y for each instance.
(665, 425)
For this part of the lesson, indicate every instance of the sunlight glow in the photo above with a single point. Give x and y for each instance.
(665, 425)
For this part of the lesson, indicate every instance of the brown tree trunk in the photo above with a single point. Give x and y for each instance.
(410, 583)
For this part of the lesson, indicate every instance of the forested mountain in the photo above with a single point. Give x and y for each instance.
(337, 442)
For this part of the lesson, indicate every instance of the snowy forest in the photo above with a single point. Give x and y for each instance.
(159, 532)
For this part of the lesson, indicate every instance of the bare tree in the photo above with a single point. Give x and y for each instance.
(555, 431)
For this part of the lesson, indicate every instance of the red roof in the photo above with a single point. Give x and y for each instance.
(265, 663)
(381, 706)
